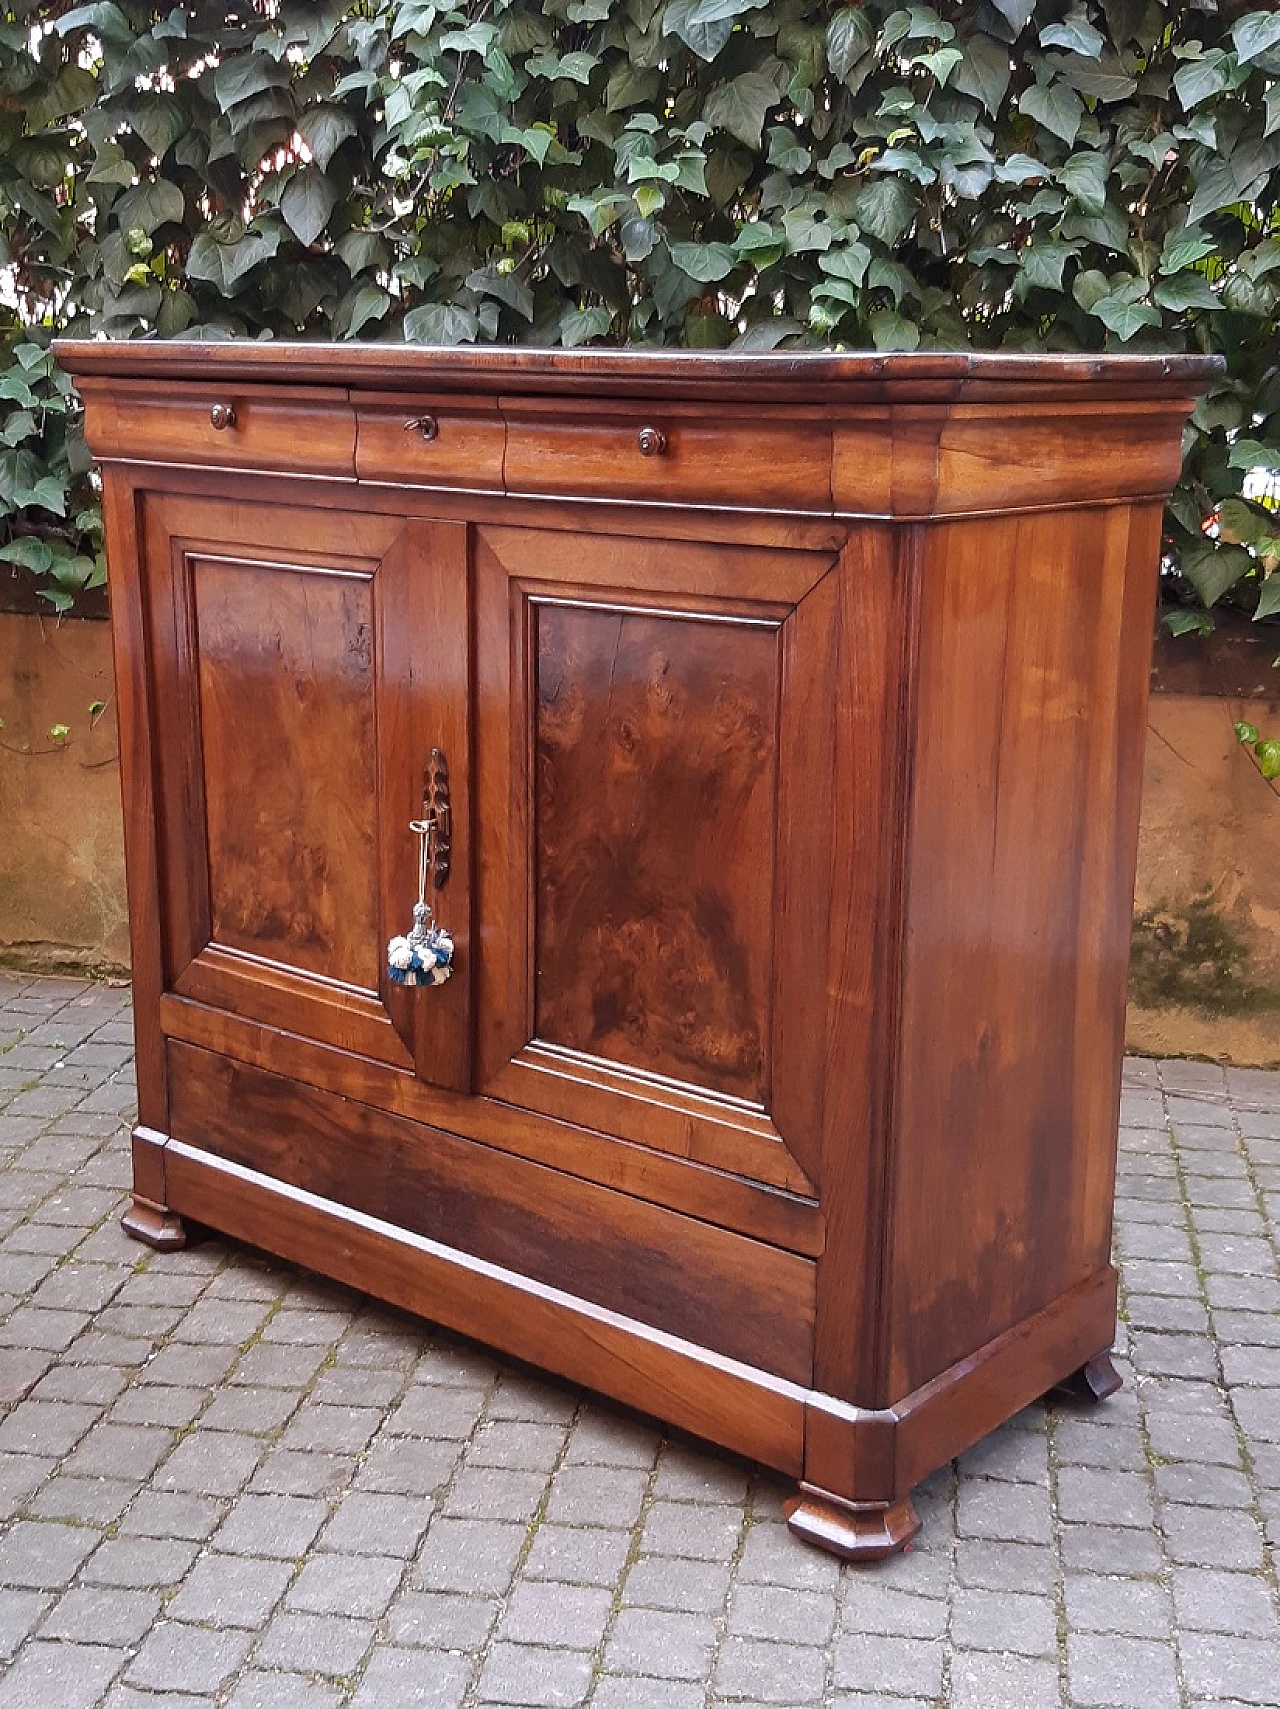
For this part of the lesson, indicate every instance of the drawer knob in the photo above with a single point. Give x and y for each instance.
(221, 416)
(427, 426)
(652, 442)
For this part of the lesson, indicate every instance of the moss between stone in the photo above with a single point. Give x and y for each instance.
(1193, 957)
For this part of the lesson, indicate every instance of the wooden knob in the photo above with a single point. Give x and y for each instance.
(222, 415)
(652, 442)
(427, 426)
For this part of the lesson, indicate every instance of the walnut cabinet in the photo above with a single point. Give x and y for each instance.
(790, 711)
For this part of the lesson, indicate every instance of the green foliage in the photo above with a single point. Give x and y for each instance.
(1015, 174)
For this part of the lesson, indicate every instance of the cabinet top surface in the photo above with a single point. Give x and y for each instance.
(794, 376)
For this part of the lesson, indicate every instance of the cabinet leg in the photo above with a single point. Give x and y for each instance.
(155, 1227)
(1095, 1380)
(859, 1531)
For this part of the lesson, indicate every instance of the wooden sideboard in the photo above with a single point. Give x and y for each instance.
(790, 710)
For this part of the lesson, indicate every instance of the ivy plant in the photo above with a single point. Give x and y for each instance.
(742, 174)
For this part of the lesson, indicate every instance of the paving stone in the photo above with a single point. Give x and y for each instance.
(210, 1463)
(1133, 1607)
(405, 1465)
(1242, 1668)
(1118, 1498)
(569, 1617)
(315, 1643)
(412, 1679)
(88, 1501)
(20, 1610)
(980, 1681)
(1203, 1486)
(1210, 1601)
(188, 1658)
(36, 1555)
(474, 1556)
(593, 1495)
(660, 1644)
(769, 1672)
(491, 1492)
(231, 1590)
(695, 1587)
(59, 1676)
(441, 1620)
(1004, 1511)
(361, 1586)
(159, 1513)
(577, 1555)
(274, 1525)
(285, 1471)
(140, 1563)
(875, 1607)
(117, 1617)
(1004, 1621)
(1200, 1536)
(1128, 1673)
(377, 1525)
(696, 1533)
(1115, 1551)
(618, 1692)
(863, 1662)
(283, 1691)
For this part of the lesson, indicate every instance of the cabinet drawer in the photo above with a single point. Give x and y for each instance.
(668, 457)
(448, 442)
(304, 431)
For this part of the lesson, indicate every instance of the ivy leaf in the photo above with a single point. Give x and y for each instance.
(1198, 79)
(29, 552)
(1085, 176)
(984, 71)
(1252, 454)
(741, 105)
(1041, 265)
(706, 262)
(106, 21)
(1185, 290)
(149, 205)
(1055, 107)
(1268, 598)
(324, 129)
(241, 75)
(1120, 314)
(1211, 569)
(1271, 101)
(1183, 248)
(440, 323)
(580, 326)
(159, 119)
(225, 265)
(1074, 32)
(1016, 13)
(366, 302)
(886, 209)
(308, 200)
(850, 37)
(705, 25)
(1255, 34)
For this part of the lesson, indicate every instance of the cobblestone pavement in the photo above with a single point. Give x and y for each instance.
(224, 1481)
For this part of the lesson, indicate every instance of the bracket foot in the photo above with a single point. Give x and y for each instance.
(1094, 1381)
(154, 1227)
(857, 1531)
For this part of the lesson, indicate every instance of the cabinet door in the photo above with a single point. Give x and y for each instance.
(654, 778)
(306, 663)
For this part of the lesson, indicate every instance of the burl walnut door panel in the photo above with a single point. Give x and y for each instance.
(306, 664)
(655, 771)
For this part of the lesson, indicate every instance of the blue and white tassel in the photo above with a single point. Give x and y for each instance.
(425, 955)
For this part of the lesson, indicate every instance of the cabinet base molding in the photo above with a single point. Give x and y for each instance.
(856, 1531)
(155, 1226)
(1093, 1381)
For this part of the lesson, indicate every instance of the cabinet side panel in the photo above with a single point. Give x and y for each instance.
(1034, 648)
